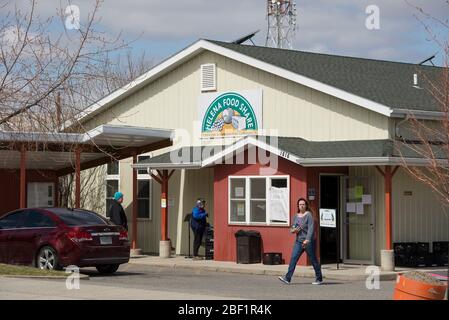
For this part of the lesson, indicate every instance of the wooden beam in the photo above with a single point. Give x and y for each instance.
(117, 154)
(394, 171)
(170, 174)
(22, 177)
(135, 206)
(77, 178)
(158, 180)
(380, 170)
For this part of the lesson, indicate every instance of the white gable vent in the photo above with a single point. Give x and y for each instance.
(208, 77)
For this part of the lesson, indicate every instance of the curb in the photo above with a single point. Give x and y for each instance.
(358, 277)
(82, 277)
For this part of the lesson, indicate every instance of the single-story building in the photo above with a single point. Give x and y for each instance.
(256, 128)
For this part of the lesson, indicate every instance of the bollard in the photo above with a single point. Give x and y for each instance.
(387, 260)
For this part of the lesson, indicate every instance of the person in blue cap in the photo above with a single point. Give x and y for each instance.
(198, 225)
(116, 212)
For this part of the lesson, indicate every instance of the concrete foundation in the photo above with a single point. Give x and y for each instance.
(135, 252)
(387, 260)
(164, 249)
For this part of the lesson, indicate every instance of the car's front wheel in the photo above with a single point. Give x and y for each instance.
(47, 259)
(107, 268)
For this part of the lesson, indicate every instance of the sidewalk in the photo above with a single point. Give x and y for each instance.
(345, 272)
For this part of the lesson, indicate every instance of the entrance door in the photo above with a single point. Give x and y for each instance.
(329, 199)
(358, 212)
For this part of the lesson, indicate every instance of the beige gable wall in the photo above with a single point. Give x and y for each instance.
(171, 102)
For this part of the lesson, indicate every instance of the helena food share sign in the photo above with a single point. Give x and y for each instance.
(231, 113)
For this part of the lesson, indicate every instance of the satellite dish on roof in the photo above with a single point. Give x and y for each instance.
(245, 38)
(428, 59)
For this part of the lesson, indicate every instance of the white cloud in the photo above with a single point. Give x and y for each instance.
(328, 26)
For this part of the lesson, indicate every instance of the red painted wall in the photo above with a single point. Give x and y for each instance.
(274, 239)
(10, 186)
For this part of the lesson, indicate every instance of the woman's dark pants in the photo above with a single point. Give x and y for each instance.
(296, 254)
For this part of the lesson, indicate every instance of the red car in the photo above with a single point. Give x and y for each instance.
(53, 238)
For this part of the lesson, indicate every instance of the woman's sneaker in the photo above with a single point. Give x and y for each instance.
(318, 282)
(284, 280)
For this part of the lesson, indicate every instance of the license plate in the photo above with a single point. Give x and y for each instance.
(105, 240)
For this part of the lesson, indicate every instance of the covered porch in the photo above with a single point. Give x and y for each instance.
(31, 157)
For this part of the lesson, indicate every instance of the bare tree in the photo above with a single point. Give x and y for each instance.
(431, 138)
(37, 65)
(47, 77)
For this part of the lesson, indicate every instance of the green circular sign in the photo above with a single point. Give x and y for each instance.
(229, 113)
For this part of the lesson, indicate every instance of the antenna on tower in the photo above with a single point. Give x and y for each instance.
(281, 16)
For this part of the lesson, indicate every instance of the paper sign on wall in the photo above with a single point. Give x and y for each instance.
(358, 192)
(350, 207)
(359, 208)
(366, 199)
(163, 203)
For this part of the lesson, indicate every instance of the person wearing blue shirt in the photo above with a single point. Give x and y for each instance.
(198, 225)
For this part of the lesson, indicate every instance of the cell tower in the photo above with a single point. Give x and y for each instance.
(281, 16)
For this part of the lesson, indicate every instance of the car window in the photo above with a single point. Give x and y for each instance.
(38, 220)
(11, 221)
(81, 218)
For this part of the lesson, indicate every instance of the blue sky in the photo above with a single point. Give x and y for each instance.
(163, 27)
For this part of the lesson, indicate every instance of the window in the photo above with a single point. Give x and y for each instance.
(259, 200)
(11, 221)
(143, 192)
(80, 218)
(112, 182)
(38, 220)
(237, 199)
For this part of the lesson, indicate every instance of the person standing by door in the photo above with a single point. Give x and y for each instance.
(198, 225)
(303, 227)
(116, 212)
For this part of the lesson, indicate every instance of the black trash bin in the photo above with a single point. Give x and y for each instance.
(249, 248)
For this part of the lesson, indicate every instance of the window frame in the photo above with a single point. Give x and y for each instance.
(147, 176)
(111, 177)
(247, 200)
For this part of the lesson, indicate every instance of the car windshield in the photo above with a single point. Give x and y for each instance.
(80, 218)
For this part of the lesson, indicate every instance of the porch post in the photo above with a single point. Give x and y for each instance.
(387, 255)
(165, 243)
(388, 229)
(164, 206)
(22, 176)
(77, 177)
(135, 205)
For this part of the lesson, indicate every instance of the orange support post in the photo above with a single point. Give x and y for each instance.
(388, 221)
(23, 177)
(162, 179)
(135, 206)
(388, 182)
(77, 178)
(164, 206)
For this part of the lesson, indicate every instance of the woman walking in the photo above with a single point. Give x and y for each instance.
(303, 226)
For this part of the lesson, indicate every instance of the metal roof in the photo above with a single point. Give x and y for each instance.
(55, 150)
